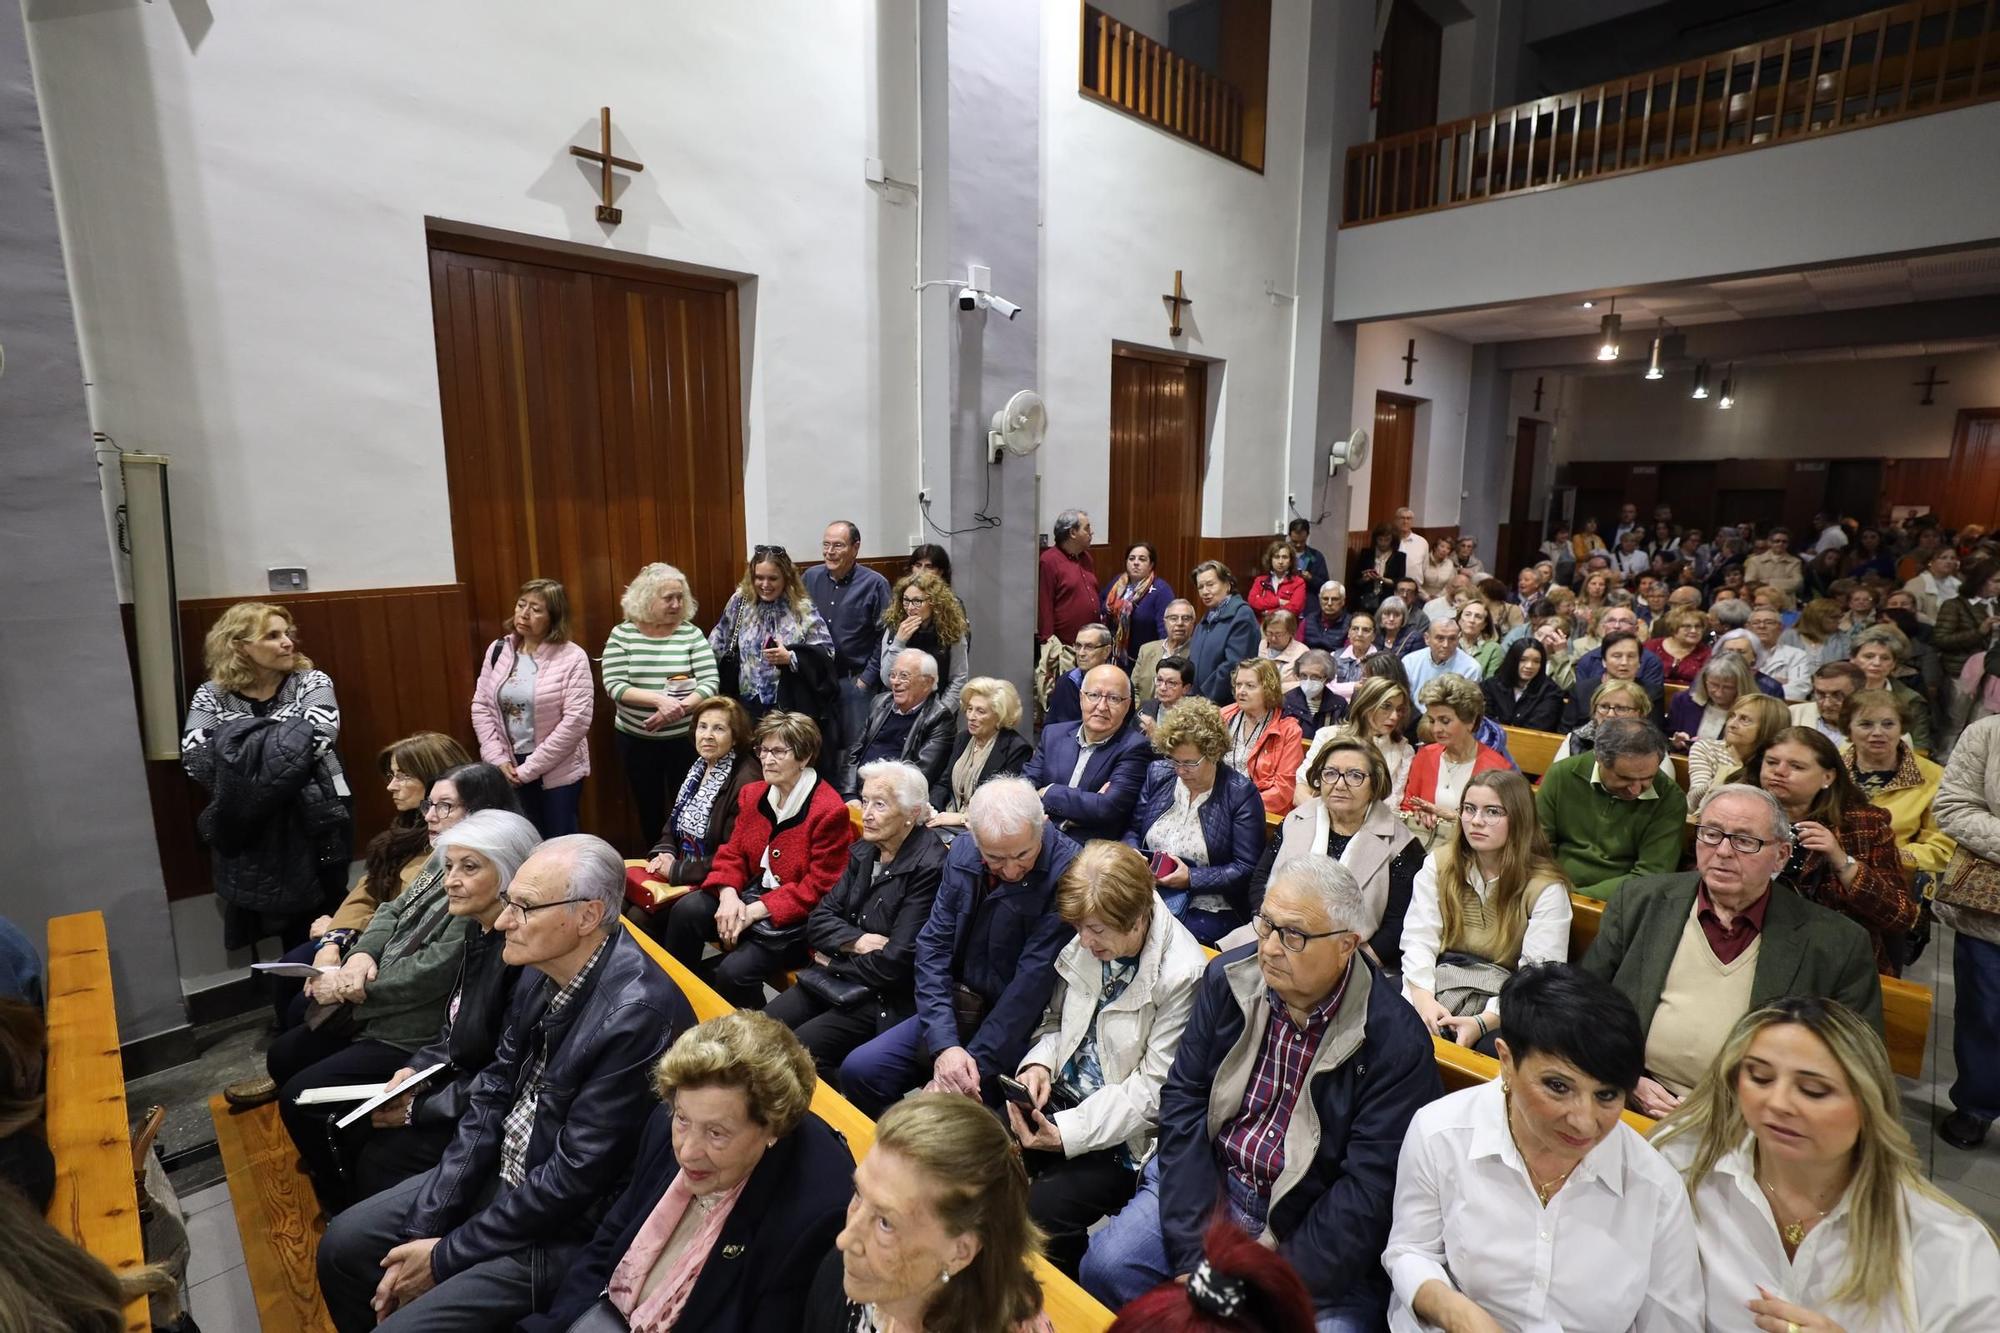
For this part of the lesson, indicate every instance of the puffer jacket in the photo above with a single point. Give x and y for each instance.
(596, 1091)
(273, 817)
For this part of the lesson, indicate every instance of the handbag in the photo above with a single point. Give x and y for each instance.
(968, 1006)
(1969, 882)
(834, 990)
(601, 1316)
(778, 939)
(1464, 982)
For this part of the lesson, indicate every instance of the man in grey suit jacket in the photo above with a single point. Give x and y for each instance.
(1802, 948)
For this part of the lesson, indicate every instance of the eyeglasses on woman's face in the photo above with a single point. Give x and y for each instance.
(1607, 711)
(1482, 814)
(774, 753)
(1343, 777)
(444, 807)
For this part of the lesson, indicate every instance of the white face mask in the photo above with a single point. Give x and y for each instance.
(1313, 690)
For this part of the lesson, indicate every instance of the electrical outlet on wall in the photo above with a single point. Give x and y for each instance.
(916, 540)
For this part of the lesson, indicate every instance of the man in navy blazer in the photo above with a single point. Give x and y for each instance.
(985, 958)
(1089, 772)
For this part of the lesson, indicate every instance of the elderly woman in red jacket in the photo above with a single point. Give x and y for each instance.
(788, 848)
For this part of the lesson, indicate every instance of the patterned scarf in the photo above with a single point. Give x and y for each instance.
(751, 624)
(658, 1311)
(1124, 595)
(692, 806)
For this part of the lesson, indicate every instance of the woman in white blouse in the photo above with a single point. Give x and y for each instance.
(1811, 1208)
(1489, 901)
(1527, 1203)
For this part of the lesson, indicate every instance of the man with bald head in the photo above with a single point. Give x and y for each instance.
(1089, 771)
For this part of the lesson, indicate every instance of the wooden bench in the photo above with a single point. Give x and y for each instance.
(1532, 751)
(1069, 1307)
(1463, 1067)
(277, 1216)
(1672, 692)
(95, 1204)
(1906, 1007)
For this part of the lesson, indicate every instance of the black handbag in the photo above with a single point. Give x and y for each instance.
(968, 1006)
(600, 1317)
(778, 939)
(834, 990)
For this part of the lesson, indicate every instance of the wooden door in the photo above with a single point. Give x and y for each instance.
(1158, 426)
(591, 426)
(1412, 55)
(1389, 457)
(1520, 536)
(1972, 481)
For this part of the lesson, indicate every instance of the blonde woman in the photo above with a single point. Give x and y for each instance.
(1381, 706)
(657, 666)
(256, 672)
(773, 639)
(1754, 722)
(1812, 1212)
(926, 615)
(989, 747)
(1490, 899)
(1613, 699)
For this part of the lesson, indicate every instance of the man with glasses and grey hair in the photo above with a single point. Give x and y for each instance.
(1695, 952)
(550, 1129)
(1093, 645)
(1297, 1075)
(985, 958)
(1614, 811)
(1089, 772)
(1067, 598)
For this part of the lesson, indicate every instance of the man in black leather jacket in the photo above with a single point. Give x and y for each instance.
(910, 723)
(550, 1128)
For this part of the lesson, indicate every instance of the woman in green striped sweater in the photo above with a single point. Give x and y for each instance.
(657, 666)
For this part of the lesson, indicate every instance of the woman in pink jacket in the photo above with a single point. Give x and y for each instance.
(532, 706)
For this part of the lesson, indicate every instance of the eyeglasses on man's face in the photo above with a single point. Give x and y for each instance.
(1292, 938)
(1746, 844)
(509, 900)
(1102, 699)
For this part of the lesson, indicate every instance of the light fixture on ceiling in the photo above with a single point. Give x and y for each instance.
(1653, 371)
(1607, 342)
(1728, 398)
(1700, 381)
(1590, 305)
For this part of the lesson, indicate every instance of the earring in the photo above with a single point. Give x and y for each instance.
(944, 1278)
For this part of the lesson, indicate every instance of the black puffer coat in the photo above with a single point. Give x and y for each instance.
(274, 819)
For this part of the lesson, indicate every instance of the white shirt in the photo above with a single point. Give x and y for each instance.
(1790, 666)
(1546, 940)
(1951, 1269)
(1832, 538)
(1614, 1249)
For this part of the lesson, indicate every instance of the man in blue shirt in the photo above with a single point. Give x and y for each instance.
(1439, 656)
(851, 600)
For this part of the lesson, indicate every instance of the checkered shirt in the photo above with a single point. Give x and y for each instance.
(1251, 1149)
(519, 1127)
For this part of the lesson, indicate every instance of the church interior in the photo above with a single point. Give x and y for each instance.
(340, 343)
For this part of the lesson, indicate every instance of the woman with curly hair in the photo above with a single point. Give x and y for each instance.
(657, 666)
(1201, 821)
(1278, 586)
(772, 637)
(925, 614)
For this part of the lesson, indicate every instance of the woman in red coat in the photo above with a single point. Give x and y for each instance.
(1441, 770)
(788, 848)
(1280, 586)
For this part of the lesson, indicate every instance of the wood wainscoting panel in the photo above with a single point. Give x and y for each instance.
(402, 660)
(1243, 555)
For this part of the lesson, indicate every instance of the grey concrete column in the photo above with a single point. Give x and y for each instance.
(74, 815)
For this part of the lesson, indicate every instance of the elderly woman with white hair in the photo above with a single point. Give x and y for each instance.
(1744, 644)
(1701, 713)
(480, 854)
(656, 666)
(1290, 1038)
(863, 933)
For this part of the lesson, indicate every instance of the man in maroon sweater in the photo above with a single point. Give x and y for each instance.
(1068, 598)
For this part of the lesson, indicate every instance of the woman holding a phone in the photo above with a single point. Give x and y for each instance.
(1085, 1103)
(1200, 822)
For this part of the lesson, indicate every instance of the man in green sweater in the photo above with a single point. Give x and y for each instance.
(1616, 811)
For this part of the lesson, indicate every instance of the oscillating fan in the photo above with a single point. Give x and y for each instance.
(1351, 452)
(1018, 428)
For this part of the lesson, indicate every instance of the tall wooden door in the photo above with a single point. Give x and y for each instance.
(591, 426)
(1412, 57)
(1158, 422)
(1389, 451)
(1520, 535)
(1972, 483)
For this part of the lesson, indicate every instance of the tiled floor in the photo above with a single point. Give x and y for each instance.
(219, 1293)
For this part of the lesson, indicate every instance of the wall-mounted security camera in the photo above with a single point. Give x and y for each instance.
(1003, 305)
(968, 299)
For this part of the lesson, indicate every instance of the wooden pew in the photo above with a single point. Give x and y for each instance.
(277, 1215)
(1463, 1067)
(1906, 1007)
(1673, 692)
(1068, 1306)
(1532, 751)
(96, 1204)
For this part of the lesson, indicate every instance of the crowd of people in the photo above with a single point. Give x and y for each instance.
(995, 945)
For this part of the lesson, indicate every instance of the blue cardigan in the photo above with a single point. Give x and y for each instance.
(1222, 638)
(1232, 824)
(1083, 811)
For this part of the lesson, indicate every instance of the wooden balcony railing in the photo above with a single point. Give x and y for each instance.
(1124, 68)
(1906, 60)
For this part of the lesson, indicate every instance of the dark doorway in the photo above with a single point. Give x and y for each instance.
(1158, 427)
(1412, 54)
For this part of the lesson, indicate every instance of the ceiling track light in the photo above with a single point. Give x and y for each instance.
(1728, 397)
(1607, 342)
(1653, 371)
(1700, 381)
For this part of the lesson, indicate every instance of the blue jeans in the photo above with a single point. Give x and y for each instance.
(1128, 1258)
(552, 810)
(1975, 1035)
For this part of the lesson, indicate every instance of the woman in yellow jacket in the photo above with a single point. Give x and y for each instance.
(1896, 778)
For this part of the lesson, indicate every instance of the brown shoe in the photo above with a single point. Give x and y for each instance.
(251, 1092)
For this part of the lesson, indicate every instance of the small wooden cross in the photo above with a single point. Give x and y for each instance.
(606, 212)
(1929, 384)
(1409, 360)
(1538, 393)
(1176, 299)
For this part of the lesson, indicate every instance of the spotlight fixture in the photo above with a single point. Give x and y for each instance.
(1590, 305)
(1607, 348)
(1700, 381)
(1653, 371)
(1728, 398)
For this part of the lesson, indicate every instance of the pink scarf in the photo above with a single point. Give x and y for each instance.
(663, 1307)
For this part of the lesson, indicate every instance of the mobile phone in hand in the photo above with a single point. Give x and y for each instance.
(1017, 1092)
(1163, 864)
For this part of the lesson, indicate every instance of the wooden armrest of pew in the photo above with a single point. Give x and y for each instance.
(1463, 1067)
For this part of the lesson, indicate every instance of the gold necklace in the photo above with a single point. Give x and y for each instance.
(1793, 1232)
(1544, 1189)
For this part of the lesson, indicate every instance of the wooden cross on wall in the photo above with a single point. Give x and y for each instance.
(606, 211)
(1929, 384)
(1176, 299)
(1538, 393)
(1409, 359)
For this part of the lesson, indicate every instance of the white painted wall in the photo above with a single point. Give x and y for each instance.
(1932, 181)
(1124, 205)
(1442, 378)
(244, 188)
(1836, 409)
